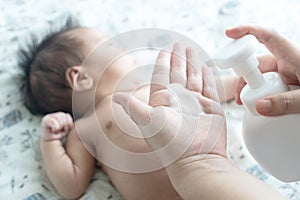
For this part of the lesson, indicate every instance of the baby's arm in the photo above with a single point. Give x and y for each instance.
(69, 170)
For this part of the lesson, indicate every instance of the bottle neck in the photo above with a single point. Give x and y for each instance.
(248, 69)
(254, 79)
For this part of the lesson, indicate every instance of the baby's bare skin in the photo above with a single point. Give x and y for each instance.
(70, 169)
(152, 185)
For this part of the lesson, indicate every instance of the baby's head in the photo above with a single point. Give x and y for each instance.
(53, 68)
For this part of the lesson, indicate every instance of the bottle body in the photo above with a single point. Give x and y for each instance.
(274, 142)
(273, 84)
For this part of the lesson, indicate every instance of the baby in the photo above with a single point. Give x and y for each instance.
(52, 72)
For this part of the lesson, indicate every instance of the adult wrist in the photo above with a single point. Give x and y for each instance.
(210, 162)
(202, 168)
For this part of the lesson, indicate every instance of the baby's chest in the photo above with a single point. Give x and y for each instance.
(119, 130)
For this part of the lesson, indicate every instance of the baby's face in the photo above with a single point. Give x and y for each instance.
(110, 71)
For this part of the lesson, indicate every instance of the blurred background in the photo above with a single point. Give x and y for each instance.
(202, 20)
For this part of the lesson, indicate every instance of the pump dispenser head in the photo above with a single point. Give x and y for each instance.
(239, 55)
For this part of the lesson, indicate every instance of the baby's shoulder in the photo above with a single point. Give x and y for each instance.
(100, 119)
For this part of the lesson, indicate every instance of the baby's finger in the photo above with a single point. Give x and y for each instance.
(194, 75)
(53, 125)
(64, 120)
(178, 65)
(58, 136)
(69, 120)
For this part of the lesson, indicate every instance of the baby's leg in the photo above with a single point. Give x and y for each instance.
(226, 85)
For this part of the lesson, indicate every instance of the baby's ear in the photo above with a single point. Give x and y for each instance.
(79, 79)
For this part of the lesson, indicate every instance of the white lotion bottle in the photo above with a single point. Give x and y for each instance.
(274, 142)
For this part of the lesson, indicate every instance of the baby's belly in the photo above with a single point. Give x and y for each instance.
(153, 185)
(122, 134)
(145, 186)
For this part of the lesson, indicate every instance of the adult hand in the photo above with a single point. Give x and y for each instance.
(179, 75)
(285, 60)
(203, 167)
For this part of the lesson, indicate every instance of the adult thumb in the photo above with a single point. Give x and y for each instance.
(138, 111)
(284, 103)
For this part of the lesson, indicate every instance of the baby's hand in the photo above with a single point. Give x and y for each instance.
(55, 126)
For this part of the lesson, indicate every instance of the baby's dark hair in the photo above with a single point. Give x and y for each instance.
(44, 86)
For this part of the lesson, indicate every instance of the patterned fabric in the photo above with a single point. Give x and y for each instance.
(22, 175)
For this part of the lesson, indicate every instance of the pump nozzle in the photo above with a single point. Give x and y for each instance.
(239, 55)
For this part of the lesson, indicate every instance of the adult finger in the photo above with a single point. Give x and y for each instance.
(276, 43)
(239, 86)
(161, 71)
(160, 98)
(267, 63)
(209, 85)
(284, 103)
(138, 111)
(150, 120)
(209, 106)
(194, 74)
(178, 65)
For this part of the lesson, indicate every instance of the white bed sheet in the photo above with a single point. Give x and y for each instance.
(22, 175)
